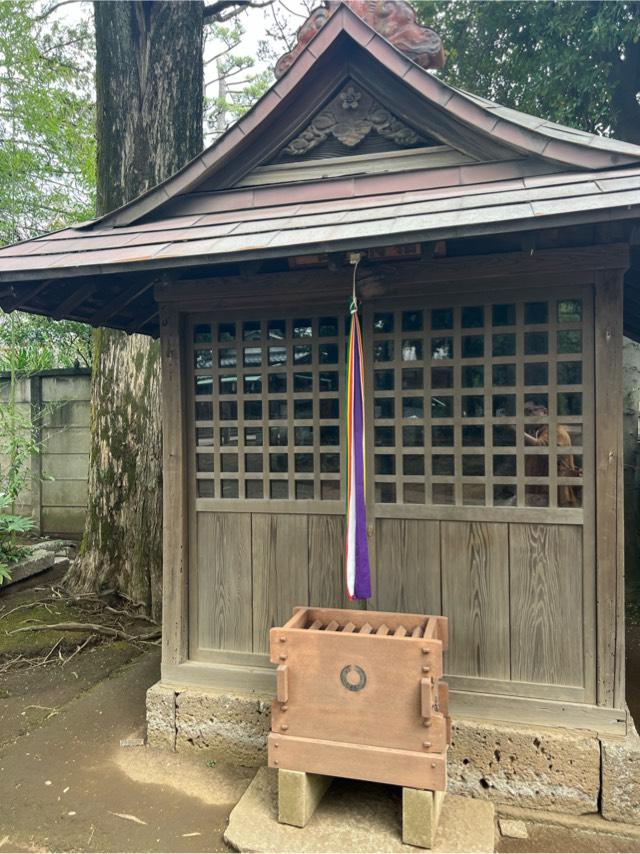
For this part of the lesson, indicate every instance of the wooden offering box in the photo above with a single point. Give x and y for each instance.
(359, 694)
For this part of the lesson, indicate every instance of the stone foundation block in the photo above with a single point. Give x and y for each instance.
(539, 768)
(621, 778)
(298, 795)
(420, 815)
(161, 717)
(225, 726)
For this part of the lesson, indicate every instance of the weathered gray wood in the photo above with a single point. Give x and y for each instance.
(280, 558)
(224, 581)
(326, 562)
(546, 567)
(609, 487)
(408, 565)
(475, 598)
(175, 556)
(434, 270)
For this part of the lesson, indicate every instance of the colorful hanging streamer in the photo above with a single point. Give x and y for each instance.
(358, 572)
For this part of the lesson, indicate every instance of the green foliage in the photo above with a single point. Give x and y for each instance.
(47, 156)
(47, 159)
(235, 85)
(39, 343)
(570, 62)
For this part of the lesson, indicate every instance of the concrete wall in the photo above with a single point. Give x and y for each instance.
(56, 496)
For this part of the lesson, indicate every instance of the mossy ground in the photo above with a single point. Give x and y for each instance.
(34, 643)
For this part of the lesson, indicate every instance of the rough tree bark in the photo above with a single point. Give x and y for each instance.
(149, 84)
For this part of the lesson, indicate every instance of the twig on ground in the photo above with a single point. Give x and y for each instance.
(8, 664)
(51, 709)
(89, 627)
(78, 649)
(20, 608)
(131, 615)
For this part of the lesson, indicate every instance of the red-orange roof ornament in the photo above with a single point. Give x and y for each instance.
(396, 20)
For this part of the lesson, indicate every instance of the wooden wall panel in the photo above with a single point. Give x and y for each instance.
(475, 597)
(609, 488)
(224, 581)
(280, 559)
(326, 562)
(546, 604)
(408, 566)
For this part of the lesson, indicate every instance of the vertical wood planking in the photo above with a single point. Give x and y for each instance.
(475, 597)
(224, 581)
(408, 566)
(280, 559)
(327, 587)
(546, 604)
(175, 566)
(609, 487)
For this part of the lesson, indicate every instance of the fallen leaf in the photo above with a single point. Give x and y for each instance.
(128, 817)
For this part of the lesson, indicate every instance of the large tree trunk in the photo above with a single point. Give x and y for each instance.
(149, 76)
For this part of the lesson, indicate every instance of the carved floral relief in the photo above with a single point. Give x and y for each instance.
(349, 117)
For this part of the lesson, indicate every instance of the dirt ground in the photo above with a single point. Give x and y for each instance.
(67, 783)
(74, 774)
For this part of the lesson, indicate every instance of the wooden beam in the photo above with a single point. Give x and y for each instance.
(175, 566)
(138, 325)
(609, 488)
(118, 303)
(77, 296)
(23, 299)
(373, 277)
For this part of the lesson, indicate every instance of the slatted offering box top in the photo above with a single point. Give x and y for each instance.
(359, 695)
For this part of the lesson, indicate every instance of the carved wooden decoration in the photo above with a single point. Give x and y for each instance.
(394, 19)
(349, 117)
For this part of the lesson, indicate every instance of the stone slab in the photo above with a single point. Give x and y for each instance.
(513, 829)
(555, 769)
(37, 562)
(352, 817)
(621, 778)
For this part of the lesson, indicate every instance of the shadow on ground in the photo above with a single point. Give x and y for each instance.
(69, 784)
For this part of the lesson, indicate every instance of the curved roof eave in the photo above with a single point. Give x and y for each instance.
(524, 133)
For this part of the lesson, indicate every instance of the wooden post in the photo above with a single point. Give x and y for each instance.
(609, 488)
(175, 508)
(36, 456)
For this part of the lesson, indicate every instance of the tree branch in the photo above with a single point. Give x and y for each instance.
(53, 8)
(232, 8)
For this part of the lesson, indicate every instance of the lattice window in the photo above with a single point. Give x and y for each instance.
(480, 404)
(268, 404)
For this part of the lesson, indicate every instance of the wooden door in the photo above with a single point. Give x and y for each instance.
(472, 512)
(483, 460)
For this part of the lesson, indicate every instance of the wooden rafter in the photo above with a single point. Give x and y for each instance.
(79, 294)
(22, 299)
(120, 302)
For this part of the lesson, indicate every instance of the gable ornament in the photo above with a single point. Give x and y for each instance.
(396, 20)
(349, 117)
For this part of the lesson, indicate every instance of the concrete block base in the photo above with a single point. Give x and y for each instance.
(420, 815)
(298, 795)
(565, 771)
(621, 778)
(554, 769)
(223, 726)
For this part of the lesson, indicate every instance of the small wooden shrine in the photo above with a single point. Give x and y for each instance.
(499, 271)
